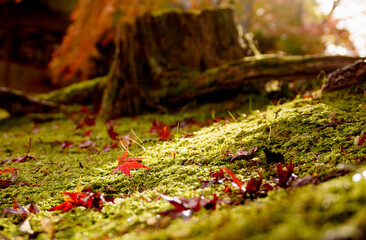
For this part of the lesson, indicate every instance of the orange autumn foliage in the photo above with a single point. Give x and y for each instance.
(97, 21)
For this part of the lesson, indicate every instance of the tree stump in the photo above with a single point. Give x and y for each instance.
(156, 49)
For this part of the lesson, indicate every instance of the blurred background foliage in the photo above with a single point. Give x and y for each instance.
(275, 26)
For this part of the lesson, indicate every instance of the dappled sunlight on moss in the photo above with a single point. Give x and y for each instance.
(294, 129)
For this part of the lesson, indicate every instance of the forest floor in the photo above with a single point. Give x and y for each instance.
(291, 171)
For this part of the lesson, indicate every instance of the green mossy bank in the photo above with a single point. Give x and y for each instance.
(333, 209)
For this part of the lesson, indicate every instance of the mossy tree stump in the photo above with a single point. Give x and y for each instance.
(156, 49)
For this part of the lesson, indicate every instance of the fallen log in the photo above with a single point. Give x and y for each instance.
(346, 76)
(18, 103)
(230, 76)
(249, 70)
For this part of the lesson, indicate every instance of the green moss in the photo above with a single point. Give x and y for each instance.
(75, 91)
(329, 209)
(165, 11)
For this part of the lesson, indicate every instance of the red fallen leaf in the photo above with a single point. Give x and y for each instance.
(22, 210)
(219, 177)
(304, 181)
(82, 199)
(186, 122)
(108, 148)
(7, 182)
(89, 121)
(189, 135)
(84, 109)
(80, 125)
(254, 185)
(335, 122)
(161, 130)
(219, 119)
(33, 208)
(87, 144)
(155, 125)
(268, 186)
(87, 133)
(10, 170)
(362, 140)
(112, 134)
(20, 159)
(235, 180)
(66, 145)
(241, 152)
(285, 177)
(227, 189)
(125, 164)
(165, 133)
(184, 207)
(93, 150)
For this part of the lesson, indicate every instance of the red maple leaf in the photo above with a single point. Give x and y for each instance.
(241, 152)
(82, 199)
(155, 125)
(108, 148)
(10, 170)
(84, 109)
(218, 177)
(253, 185)
(285, 177)
(66, 145)
(165, 133)
(161, 130)
(87, 133)
(235, 180)
(362, 140)
(7, 182)
(22, 210)
(184, 207)
(87, 144)
(125, 164)
(112, 134)
(89, 121)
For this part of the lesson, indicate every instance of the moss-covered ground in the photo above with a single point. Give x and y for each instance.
(316, 134)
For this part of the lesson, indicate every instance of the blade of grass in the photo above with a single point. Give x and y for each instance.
(235, 119)
(126, 148)
(137, 143)
(136, 136)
